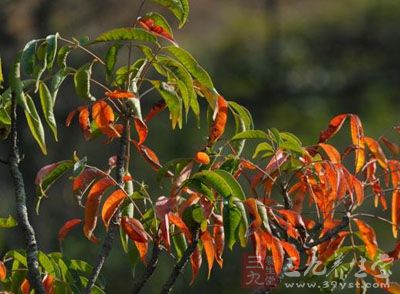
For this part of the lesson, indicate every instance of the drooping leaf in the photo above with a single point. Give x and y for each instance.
(102, 113)
(46, 100)
(134, 229)
(141, 129)
(334, 126)
(178, 222)
(357, 134)
(16, 84)
(265, 148)
(218, 126)
(394, 167)
(111, 59)
(84, 121)
(219, 239)
(251, 134)
(126, 34)
(62, 56)
(155, 109)
(231, 219)
(82, 82)
(49, 284)
(191, 65)
(92, 204)
(7, 223)
(51, 48)
(149, 156)
(208, 245)
(35, 124)
(293, 253)
(111, 205)
(172, 101)
(277, 254)
(368, 236)
(195, 262)
(3, 271)
(67, 227)
(377, 151)
(332, 152)
(180, 8)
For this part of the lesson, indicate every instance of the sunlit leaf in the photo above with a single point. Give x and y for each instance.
(217, 127)
(9, 222)
(35, 124)
(3, 271)
(111, 205)
(368, 236)
(334, 126)
(251, 134)
(126, 34)
(208, 246)
(377, 151)
(332, 152)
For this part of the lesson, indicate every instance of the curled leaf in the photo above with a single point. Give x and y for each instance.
(177, 221)
(102, 114)
(118, 94)
(195, 262)
(134, 229)
(3, 271)
(376, 151)
(111, 205)
(141, 129)
(219, 123)
(334, 126)
(208, 246)
(369, 238)
(67, 227)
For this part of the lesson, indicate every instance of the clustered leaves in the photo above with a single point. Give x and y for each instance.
(298, 204)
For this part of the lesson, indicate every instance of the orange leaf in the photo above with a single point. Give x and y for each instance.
(202, 158)
(293, 217)
(357, 134)
(148, 155)
(141, 129)
(3, 271)
(293, 253)
(102, 113)
(394, 167)
(134, 229)
(155, 109)
(332, 152)
(118, 94)
(83, 181)
(148, 24)
(92, 204)
(369, 238)
(177, 221)
(142, 247)
(261, 240)
(25, 287)
(395, 149)
(219, 239)
(277, 255)
(376, 151)
(70, 117)
(48, 284)
(67, 227)
(84, 121)
(111, 131)
(218, 126)
(251, 204)
(334, 126)
(208, 246)
(111, 206)
(195, 261)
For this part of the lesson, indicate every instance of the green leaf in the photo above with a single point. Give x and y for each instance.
(49, 178)
(111, 59)
(180, 8)
(16, 85)
(28, 57)
(46, 263)
(51, 50)
(172, 100)
(35, 124)
(200, 187)
(191, 65)
(232, 219)
(46, 101)
(244, 223)
(7, 223)
(41, 64)
(263, 147)
(82, 82)
(180, 244)
(291, 142)
(56, 82)
(18, 255)
(1, 75)
(237, 190)
(62, 56)
(126, 34)
(251, 134)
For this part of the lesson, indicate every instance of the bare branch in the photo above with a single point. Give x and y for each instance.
(22, 211)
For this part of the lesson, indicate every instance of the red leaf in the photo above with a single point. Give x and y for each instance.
(92, 204)
(357, 135)
(208, 246)
(251, 204)
(177, 221)
(293, 217)
(334, 126)
(118, 94)
(394, 148)
(376, 151)
(48, 284)
(277, 255)
(111, 206)
(25, 287)
(141, 129)
(83, 181)
(67, 227)
(44, 171)
(195, 261)
(142, 247)
(134, 229)
(155, 109)
(3, 271)
(369, 238)
(277, 160)
(219, 239)
(84, 121)
(148, 155)
(102, 114)
(293, 253)
(218, 126)
(111, 131)
(332, 152)
(148, 24)
(70, 117)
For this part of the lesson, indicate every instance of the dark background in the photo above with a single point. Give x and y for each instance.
(295, 64)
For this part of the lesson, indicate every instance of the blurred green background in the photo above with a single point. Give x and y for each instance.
(294, 63)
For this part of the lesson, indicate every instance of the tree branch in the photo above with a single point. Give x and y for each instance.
(150, 268)
(180, 265)
(22, 211)
(113, 228)
(330, 234)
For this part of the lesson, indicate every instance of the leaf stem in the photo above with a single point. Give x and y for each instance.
(84, 49)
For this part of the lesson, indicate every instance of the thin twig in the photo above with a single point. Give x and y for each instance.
(84, 49)
(110, 236)
(179, 267)
(22, 211)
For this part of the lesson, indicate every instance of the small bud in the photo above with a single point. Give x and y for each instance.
(202, 157)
